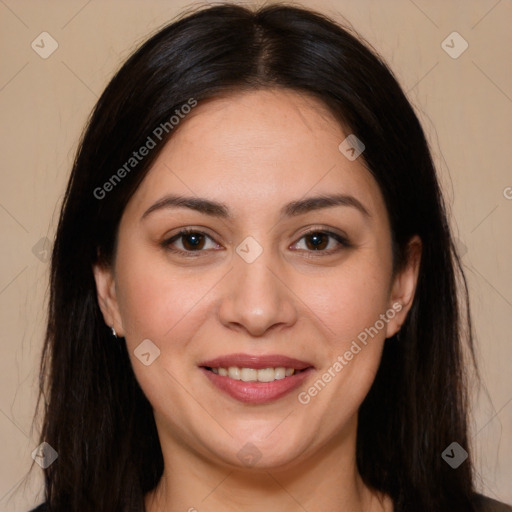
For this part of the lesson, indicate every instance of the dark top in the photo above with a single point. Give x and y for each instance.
(484, 505)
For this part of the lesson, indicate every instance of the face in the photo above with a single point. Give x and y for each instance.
(266, 278)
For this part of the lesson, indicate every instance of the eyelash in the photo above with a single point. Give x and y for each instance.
(192, 254)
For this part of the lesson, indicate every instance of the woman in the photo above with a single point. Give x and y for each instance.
(254, 285)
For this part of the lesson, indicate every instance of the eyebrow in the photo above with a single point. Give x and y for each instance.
(292, 209)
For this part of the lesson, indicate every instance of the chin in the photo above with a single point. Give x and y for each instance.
(263, 451)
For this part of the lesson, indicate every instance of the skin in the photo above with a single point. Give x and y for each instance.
(254, 152)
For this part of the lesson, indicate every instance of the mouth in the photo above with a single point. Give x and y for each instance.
(256, 379)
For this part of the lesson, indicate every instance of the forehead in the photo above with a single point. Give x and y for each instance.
(256, 150)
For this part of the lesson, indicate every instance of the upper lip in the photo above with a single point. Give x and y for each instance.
(256, 361)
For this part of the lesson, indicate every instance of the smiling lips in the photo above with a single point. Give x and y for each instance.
(256, 379)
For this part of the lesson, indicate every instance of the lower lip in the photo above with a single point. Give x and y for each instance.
(257, 392)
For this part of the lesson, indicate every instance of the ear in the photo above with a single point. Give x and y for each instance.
(107, 299)
(404, 286)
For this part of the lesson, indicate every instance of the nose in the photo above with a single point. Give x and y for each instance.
(256, 296)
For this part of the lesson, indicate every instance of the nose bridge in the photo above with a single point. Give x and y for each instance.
(256, 298)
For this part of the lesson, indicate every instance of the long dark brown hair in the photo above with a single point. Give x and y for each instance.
(96, 416)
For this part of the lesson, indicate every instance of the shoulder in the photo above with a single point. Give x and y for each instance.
(40, 508)
(485, 504)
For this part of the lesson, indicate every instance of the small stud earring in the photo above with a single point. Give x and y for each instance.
(114, 333)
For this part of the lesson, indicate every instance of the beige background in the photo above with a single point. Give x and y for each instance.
(465, 105)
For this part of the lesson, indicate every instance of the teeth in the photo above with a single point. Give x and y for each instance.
(234, 372)
(249, 374)
(266, 375)
(253, 375)
(279, 373)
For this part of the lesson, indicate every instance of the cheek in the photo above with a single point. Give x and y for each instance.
(161, 303)
(143, 300)
(152, 300)
(350, 304)
(350, 299)
(158, 304)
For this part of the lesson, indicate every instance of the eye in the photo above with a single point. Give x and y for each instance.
(318, 240)
(191, 240)
(195, 241)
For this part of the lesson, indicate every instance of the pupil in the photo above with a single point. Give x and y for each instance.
(316, 238)
(193, 239)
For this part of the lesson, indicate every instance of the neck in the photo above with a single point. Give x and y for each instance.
(328, 480)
